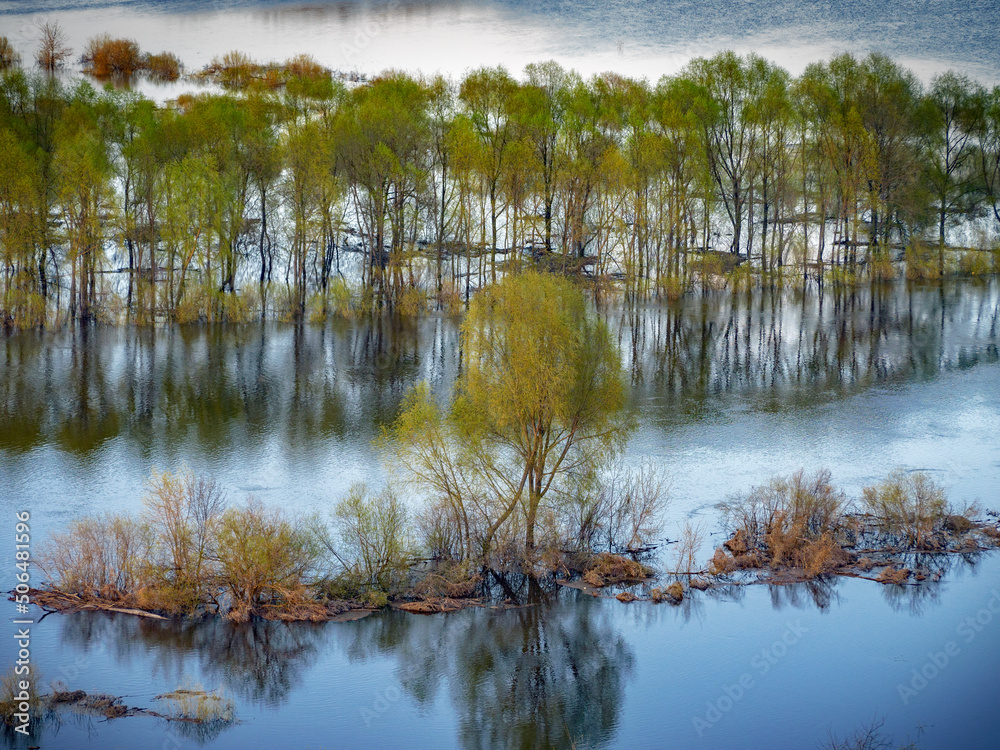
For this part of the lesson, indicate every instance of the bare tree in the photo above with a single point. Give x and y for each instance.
(52, 48)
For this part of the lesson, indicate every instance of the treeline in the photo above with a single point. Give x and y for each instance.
(294, 194)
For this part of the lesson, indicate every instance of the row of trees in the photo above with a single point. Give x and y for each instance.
(237, 204)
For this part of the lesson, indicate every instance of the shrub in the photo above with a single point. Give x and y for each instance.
(675, 591)
(263, 558)
(163, 67)
(183, 512)
(624, 510)
(372, 541)
(9, 58)
(104, 554)
(910, 506)
(605, 569)
(305, 66)
(798, 505)
(105, 57)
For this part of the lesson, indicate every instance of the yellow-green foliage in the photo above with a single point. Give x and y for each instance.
(911, 505)
(373, 539)
(881, 268)
(262, 556)
(977, 263)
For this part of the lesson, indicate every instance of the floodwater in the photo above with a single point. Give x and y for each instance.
(729, 390)
(646, 39)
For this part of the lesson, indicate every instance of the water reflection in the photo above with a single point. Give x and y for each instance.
(554, 672)
(260, 661)
(249, 386)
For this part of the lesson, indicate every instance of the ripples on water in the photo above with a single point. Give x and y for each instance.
(636, 38)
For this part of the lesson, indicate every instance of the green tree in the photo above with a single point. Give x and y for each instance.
(541, 397)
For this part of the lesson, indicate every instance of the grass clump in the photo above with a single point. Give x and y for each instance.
(789, 522)
(605, 569)
(165, 66)
(13, 704)
(198, 706)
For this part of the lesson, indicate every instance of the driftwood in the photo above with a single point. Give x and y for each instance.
(59, 601)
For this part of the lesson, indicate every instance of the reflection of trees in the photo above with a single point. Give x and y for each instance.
(819, 593)
(214, 385)
(548, 674)
(260, 660)
(223, 385)
(927, 593)
(791, 346)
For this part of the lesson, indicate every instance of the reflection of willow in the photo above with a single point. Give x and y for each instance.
(550, 674)
(246, 384)
(260, 660)
(215, 386)
(819, 593)
(793, 344)
(915, 598)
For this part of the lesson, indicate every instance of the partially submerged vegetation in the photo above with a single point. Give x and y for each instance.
(297, 196)
(516, 479)
(801, 527)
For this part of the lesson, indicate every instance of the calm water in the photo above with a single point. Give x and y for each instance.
(637, 38)
(729, 390)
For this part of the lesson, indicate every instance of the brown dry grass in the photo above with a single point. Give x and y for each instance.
(893, 575)
(605, 569)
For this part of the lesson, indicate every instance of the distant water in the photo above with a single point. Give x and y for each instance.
(637, 38)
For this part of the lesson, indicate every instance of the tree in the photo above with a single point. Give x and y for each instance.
(52, 47)
(955, 108)
(541, 397)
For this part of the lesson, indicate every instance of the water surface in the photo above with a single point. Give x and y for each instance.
(728, 390)
(646, 39)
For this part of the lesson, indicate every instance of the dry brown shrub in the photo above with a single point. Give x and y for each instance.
(699, 584)
(866, 563)
(9, 57)
(738, 543)
(625, 596)
(453, 581)
(431, 606)
(783, 539)
(721, 563)
(105, 57)
(893, 575)
(821, 556)
(675, 591)
(604, 569)
(305, 66)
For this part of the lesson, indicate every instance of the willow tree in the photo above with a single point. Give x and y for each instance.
(541, 399)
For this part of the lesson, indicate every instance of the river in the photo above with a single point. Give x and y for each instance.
(729, 390)
(644, 39)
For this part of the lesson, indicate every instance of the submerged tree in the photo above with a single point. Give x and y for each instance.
(541, 397)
